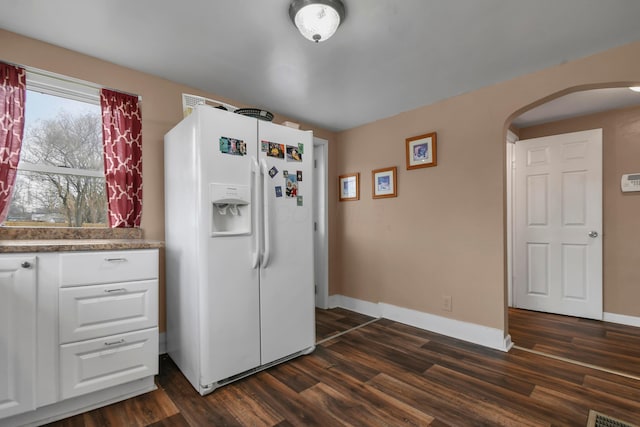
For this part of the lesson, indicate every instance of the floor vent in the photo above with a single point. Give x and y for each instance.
(596, 419)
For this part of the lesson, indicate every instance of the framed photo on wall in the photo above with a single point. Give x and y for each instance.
(349, 187)
(384, 183)
(421, 151)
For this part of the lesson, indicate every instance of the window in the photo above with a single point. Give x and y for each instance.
(60, 180)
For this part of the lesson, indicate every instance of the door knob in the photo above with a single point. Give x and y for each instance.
(26, 264)
(593, 234)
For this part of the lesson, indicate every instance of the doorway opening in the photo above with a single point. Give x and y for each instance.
(320, 222)
(617, 112)
(330, 322)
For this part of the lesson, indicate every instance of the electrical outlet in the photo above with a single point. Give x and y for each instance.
(447, 304)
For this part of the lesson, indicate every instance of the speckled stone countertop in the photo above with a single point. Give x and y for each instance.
(58, 239)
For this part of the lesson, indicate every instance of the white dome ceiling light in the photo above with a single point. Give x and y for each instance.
(317, 20)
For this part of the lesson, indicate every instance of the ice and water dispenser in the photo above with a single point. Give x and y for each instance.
(230, 209)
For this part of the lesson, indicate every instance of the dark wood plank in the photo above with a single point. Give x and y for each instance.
(286, 402)
(359, 371)
(348, 409)
(138, 412)
(402, 357)
(386, 408)
(173, 421)
(608, 345)
(244, 407)
(357, 354)
(614, 385)
(336, 320)
(452, 407)
(390, 374)
(293, 378)
(196, 409)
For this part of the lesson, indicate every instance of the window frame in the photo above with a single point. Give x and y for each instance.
(64, 87)
(48, 83)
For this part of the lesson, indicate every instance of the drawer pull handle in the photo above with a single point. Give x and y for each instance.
(120, 341)
(115, 290)
(115, 259)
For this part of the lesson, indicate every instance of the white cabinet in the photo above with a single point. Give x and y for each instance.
(92, 365)
(89, 268)
(85, 322)
(17, 334)
(108, 319)
(101, 310)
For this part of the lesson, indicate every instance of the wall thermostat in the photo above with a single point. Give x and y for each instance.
(630, 182)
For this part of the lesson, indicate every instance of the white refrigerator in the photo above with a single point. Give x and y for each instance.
(239, 245)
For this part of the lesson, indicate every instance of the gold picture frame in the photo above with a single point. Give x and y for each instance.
(384, 183)
(422, 151)
(349, 187)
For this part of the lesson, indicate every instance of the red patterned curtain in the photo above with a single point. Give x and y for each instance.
(13, 89)
(122, 138)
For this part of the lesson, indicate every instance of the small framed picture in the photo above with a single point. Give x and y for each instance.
(384, 183)
(421, 151)
(349, 187)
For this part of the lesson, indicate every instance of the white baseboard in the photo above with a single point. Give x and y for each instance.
(621, 319)
(359, 306)
(471, 332)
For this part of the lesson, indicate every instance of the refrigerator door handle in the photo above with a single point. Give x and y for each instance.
(266, 255)
(255, 174)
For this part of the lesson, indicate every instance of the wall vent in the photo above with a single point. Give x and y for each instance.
(190, 101)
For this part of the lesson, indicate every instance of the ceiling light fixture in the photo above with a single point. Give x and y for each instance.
(635, 88)
(317, 20)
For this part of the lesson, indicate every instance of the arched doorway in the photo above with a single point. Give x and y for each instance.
(617, 112)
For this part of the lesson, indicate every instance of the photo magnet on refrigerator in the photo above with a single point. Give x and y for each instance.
(299, 175)
(264, 146)
(292, 186)
(285, 173)
(235, 147)
(273, 172)
(278, 191)
(275, 150)
(299, 200)
(301, 147)
(293, 155)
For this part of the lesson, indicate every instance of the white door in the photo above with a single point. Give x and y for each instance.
(287, 313)
(229, 294)
(17, 335)
(320, 241)
(558, 224)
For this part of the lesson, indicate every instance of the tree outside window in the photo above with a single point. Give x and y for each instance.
(60, 179)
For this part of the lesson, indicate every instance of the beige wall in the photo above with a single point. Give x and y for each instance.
(161, 110)
(621, 211)
(444, 234)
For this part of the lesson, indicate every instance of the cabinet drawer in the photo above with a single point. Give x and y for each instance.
(89, 268)
(88, 312)
(93, 365)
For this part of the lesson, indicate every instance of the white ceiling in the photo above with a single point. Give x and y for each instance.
(578, 104)
(389, 56)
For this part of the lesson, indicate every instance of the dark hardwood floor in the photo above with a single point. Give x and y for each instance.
(607, 345)
(387, 374)
(336, 320)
